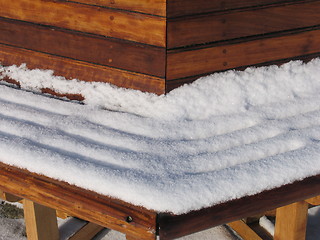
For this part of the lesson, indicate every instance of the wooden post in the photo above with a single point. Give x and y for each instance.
(291, 221)
(41, 221)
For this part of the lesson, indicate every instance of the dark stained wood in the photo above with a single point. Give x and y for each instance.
(189, 7)
(90, 48)
(92, 19)
(80, 70)
(191, 62)
(173, 84)
(224, 26)
(81, 203)
(154, 7)
(174, 226)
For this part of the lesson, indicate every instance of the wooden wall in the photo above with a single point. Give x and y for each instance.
(155, 45)
(122, 42)
(208, 36)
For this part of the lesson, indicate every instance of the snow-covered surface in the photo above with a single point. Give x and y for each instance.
(223, 137)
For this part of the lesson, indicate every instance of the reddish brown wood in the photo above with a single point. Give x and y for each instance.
(154, 7)
(92, 19)
(197, 61)
(216, 27)
(189, 7)
(87, 205)
(171, 85)
(94, 49)
(83, 71)
(174, 226)
(76, 97)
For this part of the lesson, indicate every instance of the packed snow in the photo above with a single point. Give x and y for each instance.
(220, 138)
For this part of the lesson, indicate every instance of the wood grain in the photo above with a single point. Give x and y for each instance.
(192, 62)
(92, 19)
(80, 70)
(81, 203)
(244, 231)
(291, 222)
(174, 226)
(190, 7)
(217, 27)
(94, 49)
(170, 85)
(154, 7)
(88, 231)
(41, 221)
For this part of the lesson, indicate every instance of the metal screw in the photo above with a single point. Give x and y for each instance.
(129, 219)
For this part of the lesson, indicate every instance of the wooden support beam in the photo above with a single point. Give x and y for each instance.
(314, 201)
(88, 231)
(41, 221)
(244, 230)
(291, 221)
(9, 197)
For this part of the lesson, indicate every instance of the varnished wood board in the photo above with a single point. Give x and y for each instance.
(191, 62)
(190, 7)
(81, 203)
(154, 7)
(170, 85)
(90, 48)
(174, 226)
(92, 19)
(217, 27)
(80, 70)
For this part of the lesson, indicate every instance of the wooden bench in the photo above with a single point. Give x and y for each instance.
(156, 45)
(140, 223)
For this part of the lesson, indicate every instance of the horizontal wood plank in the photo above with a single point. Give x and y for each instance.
(81, 203)
(92, 19)
(189, 7)
(174, 226)
(80, 70)
(171, 85)
(154, 7)
(90, 48)
(224, 26)
(187, 62)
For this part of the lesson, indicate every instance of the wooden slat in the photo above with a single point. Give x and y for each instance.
(291, 222)
(88, 231)
(314, 201)
(80, 70)
(244, 231)
(217, 27)
(41, 221)
(170, 85)
(185, 63)
(81, 203)
(174, 226)
(94, 49)
(85, 18)
(154, 7)
(190, 7)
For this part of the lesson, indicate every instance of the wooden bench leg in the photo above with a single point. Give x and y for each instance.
(41, 221)
(291, 221)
